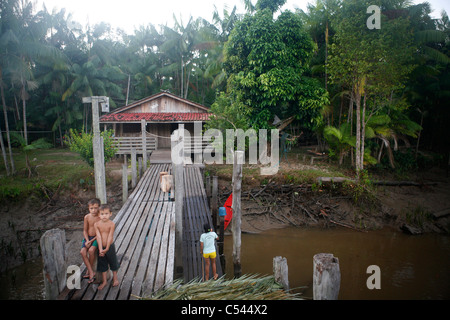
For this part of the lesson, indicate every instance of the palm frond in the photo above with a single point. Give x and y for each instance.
(247, 287)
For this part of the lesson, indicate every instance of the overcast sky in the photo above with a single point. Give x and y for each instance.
(130, 14)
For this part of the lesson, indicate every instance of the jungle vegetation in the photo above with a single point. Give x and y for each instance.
(362, 93)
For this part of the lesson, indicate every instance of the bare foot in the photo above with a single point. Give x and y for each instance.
(100, 287)
(216, 276)
(115, 283)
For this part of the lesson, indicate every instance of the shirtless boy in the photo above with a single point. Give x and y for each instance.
(107, 251)
(89, 244)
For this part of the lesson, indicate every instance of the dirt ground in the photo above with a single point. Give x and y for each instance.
(22, 224)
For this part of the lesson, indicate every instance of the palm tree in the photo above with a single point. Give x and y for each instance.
(91, 79)
(24, 48)
(220, 30)
(7, 22)
(340, 139)
(178, 49)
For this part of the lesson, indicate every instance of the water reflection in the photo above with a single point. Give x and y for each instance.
(24, 282)
(412, 267)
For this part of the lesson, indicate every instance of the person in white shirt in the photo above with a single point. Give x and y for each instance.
(208, 248)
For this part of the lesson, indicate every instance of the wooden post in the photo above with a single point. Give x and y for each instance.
(280, 271)
(124, 183)
(214, 204)
(220, 243)
(103, 195)
(53, 248)
(326, 277)
(177, 141)
(208, 187)
(99, 161)
(144, 144)
(133, 168)
(140, 169)
(236, 206)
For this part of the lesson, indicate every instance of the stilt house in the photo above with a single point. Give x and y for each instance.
(151, 121)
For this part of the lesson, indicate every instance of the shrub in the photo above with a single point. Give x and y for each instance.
(82, 143)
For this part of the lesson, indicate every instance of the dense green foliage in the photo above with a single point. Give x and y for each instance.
(82, 143)
(265, 60)
(367, 93)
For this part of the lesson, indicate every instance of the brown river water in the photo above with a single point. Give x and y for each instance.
(412, 267)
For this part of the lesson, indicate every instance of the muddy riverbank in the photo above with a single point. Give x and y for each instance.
(407, 208)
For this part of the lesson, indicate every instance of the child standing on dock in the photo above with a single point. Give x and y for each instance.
(89, 244)
(107, 251)
(208, 248)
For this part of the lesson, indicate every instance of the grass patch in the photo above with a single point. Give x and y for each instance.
(417, 216)
(52, 169)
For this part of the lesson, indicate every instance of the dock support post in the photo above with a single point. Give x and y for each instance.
(98, 149)
(236, 206)
(144, 144)
(214, 204)
(140, 168)
(220, 243)
(133, 168)
(177, 142)
(53, 248)
(124, 183)
(280, 272)
(326, 277)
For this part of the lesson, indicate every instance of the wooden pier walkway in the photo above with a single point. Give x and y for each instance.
(145, 238)
(195, 214)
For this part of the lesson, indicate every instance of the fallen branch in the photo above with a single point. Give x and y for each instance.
(440, 214)
(263, 188)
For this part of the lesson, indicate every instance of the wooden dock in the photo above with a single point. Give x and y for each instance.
(145, 238)
(194, 217)
(161, 156)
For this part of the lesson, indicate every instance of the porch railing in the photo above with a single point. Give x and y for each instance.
(126, 144)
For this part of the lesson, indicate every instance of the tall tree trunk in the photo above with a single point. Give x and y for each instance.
(363, 131)
(350, 120)
(182, 77)
(59, 129)
(25, 131)
(358, 131)
(5, 159)
(23, 95)
(8, 138)
(187, 84)
(418, 135)
(340, 109)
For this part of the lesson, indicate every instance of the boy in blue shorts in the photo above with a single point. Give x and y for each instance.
(208, 248)
(89, 244)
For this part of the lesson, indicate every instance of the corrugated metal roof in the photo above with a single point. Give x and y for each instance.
(155, 116)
